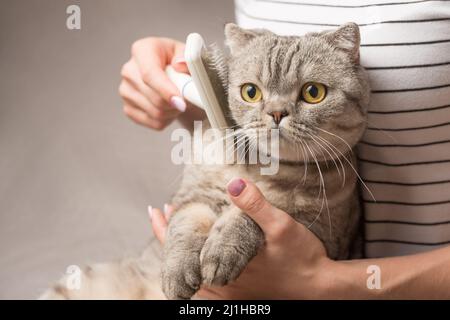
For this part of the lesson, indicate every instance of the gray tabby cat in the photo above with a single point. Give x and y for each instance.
(313, 89)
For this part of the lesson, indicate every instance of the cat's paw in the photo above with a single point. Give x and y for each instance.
(181, 276)
(221, 261)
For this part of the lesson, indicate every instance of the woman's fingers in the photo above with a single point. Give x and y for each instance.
(135, 98)
(152, 56)
(128, 92)
(138, 101)
(159, 223)
(140, 117)
(131, 75)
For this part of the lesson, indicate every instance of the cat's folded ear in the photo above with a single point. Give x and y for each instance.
(346, 38)
(237, 38)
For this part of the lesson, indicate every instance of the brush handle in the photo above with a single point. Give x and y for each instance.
(186, 85)
(198, 88)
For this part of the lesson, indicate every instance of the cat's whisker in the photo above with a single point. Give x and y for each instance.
(253, 145)
(326, 150)
(316, 163)
(232, 134)
(228, 136)
(236, 146)
(336, 136)
(331, 146)
(322, 183)
(316, 218)
(342, 176)
(242, 134)
(305, 154)
(324, 190)
(258, 133)
(319, 149)
(247, 146)
(353, 168)
(249, 136)
(299, 151)
(338, 157)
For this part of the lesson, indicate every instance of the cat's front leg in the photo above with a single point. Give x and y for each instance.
(233, 241)
(187, 232)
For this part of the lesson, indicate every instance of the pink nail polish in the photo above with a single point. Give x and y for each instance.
(150, 212)
(236, 186)
(178, 103)
(166, 208)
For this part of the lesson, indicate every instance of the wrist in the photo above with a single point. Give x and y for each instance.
(340, 280)
(347, 279)
(327, 284)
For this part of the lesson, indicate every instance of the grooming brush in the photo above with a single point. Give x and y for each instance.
(203, 86)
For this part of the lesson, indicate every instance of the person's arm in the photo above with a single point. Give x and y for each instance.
(419, 276)
(293, 263)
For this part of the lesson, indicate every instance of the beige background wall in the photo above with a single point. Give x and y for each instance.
(76, 175)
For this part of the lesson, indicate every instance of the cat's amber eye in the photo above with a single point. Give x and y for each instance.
(251, 93)
(313, 92)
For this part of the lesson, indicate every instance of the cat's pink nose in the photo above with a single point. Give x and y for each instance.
(278, 115)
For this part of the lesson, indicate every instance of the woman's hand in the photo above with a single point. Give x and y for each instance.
(149, 97)
(292, 264)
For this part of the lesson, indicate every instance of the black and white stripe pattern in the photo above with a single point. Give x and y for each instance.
(405, 153)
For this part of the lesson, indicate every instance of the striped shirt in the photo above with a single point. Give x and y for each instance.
(405, 153)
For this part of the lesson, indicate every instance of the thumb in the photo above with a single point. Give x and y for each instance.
(178, 61)
(246, 196)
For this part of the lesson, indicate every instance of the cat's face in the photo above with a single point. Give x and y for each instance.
(311, 88)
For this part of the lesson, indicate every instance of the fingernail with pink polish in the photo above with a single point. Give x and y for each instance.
(178, 103)
(150, 212)
(166, 209)
(236, 186)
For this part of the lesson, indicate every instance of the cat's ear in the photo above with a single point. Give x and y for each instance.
(236, 37)
(346, 38)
